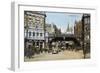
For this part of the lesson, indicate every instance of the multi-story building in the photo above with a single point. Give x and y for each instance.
(86, 31)
(34, 31)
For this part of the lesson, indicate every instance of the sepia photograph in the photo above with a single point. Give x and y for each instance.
(52, 35)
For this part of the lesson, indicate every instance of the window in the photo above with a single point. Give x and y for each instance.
(37, 34)
(37, 44)
(40, 34)
(29, 34)
(33, 33)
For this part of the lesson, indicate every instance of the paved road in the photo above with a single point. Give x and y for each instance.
(60, 56)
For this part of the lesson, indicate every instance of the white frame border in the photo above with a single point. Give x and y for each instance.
(15, 48)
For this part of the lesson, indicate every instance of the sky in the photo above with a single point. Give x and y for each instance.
(61, 20)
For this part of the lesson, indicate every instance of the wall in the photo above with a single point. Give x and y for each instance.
(5, 36)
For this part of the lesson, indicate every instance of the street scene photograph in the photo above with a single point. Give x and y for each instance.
(56, 36)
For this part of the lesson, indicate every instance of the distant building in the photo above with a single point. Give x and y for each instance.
(69, 30)
(50, 28)
(34, 32)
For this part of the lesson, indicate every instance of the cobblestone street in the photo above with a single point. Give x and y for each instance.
(60, 56)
